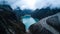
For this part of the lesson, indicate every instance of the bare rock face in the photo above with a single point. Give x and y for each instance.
(48, 25)
(54, 22)
(38, 29)
(9, 24)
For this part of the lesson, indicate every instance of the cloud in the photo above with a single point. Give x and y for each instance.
(45, 3)
(33, 4)
(25, 4)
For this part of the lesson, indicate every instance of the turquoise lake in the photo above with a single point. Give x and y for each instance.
(28, 20)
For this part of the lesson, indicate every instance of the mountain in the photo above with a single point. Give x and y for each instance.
(47, 25)
(44, 12)
(27, 11)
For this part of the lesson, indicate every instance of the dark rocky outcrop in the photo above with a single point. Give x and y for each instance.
(38, 29)
(9, 23)
(48, 25)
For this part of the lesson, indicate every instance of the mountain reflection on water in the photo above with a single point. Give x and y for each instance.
(28, 20)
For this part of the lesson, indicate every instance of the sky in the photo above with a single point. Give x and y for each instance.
(34, 4)
(28, 4)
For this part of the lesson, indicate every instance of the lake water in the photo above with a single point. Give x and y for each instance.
(28, 20)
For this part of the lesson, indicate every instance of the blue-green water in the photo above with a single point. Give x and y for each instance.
(28, 20)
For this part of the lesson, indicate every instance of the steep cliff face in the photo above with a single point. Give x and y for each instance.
(48, 25)
(9, 24)
(54, 22)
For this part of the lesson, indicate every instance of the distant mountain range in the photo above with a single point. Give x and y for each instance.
(44, 12)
